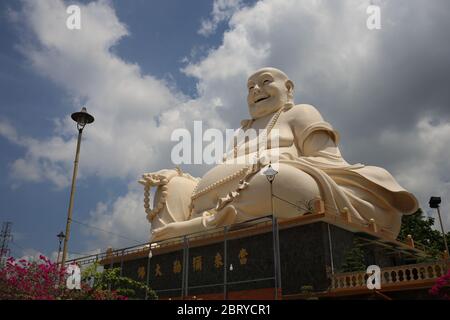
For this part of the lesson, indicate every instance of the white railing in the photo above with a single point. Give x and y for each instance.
(405, 274)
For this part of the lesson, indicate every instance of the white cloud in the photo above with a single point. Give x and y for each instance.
(31, 255)
(135, 113)
(126, 104)
(222, 10)
(9, 132)
(426, 172)
(44, 160)
(123, 220)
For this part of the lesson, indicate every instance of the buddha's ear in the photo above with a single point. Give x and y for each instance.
(290, 88)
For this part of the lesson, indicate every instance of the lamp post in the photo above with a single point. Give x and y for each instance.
(61, 237)
(434, 204)
(82, 118)
(270, 174)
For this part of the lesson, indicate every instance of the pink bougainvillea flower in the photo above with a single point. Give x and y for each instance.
(438, 289)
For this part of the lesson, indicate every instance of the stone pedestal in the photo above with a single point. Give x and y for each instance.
(240, 263)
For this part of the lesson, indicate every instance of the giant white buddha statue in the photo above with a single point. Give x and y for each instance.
(302, 147)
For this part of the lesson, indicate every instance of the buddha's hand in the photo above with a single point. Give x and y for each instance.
(164, 232)
(157, 178)
(177, 229)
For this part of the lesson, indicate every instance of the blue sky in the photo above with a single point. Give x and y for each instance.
(143, 68)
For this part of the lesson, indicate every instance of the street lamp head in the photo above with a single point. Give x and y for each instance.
(82, 118)
(434, 202)
(270, 173)
(61, 236)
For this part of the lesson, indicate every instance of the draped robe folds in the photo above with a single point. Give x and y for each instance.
(368, 192)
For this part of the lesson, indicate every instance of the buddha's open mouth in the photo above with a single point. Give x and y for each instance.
(261, 99)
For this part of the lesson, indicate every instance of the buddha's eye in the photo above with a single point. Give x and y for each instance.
(267, 81)
(250, 88)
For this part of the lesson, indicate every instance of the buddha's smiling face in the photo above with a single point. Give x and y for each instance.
(268, 90)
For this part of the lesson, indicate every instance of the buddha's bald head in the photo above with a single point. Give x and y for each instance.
(276, 71)
(269, 89)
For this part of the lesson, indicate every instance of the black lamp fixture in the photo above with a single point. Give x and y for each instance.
(61, 236)
(82, 118)
(435, 202)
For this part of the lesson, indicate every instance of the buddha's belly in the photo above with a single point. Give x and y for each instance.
(217, 183)
(225, 178)
(295, 189)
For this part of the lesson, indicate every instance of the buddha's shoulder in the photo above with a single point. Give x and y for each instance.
(302, 112)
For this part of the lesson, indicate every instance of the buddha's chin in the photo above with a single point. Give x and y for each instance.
(260, 110)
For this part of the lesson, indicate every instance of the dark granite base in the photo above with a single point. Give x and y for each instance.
(306, 259)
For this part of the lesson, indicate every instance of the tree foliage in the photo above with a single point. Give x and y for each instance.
(354, 259)
(421, 229)
(111, 279)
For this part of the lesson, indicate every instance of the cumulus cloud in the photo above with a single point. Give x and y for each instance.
(126, 103)
(222, 10)
(33, 255)
(44, 159)
(122, 222)
(129, 106)
(9, 132)
(426, 170)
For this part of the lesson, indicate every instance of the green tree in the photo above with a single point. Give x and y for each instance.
(421, 230)
(111, 279)
(354, 259)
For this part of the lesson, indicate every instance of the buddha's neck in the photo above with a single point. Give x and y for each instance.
(262, 122)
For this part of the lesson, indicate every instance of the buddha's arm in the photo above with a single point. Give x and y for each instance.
(320, 143)
(313, 136)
